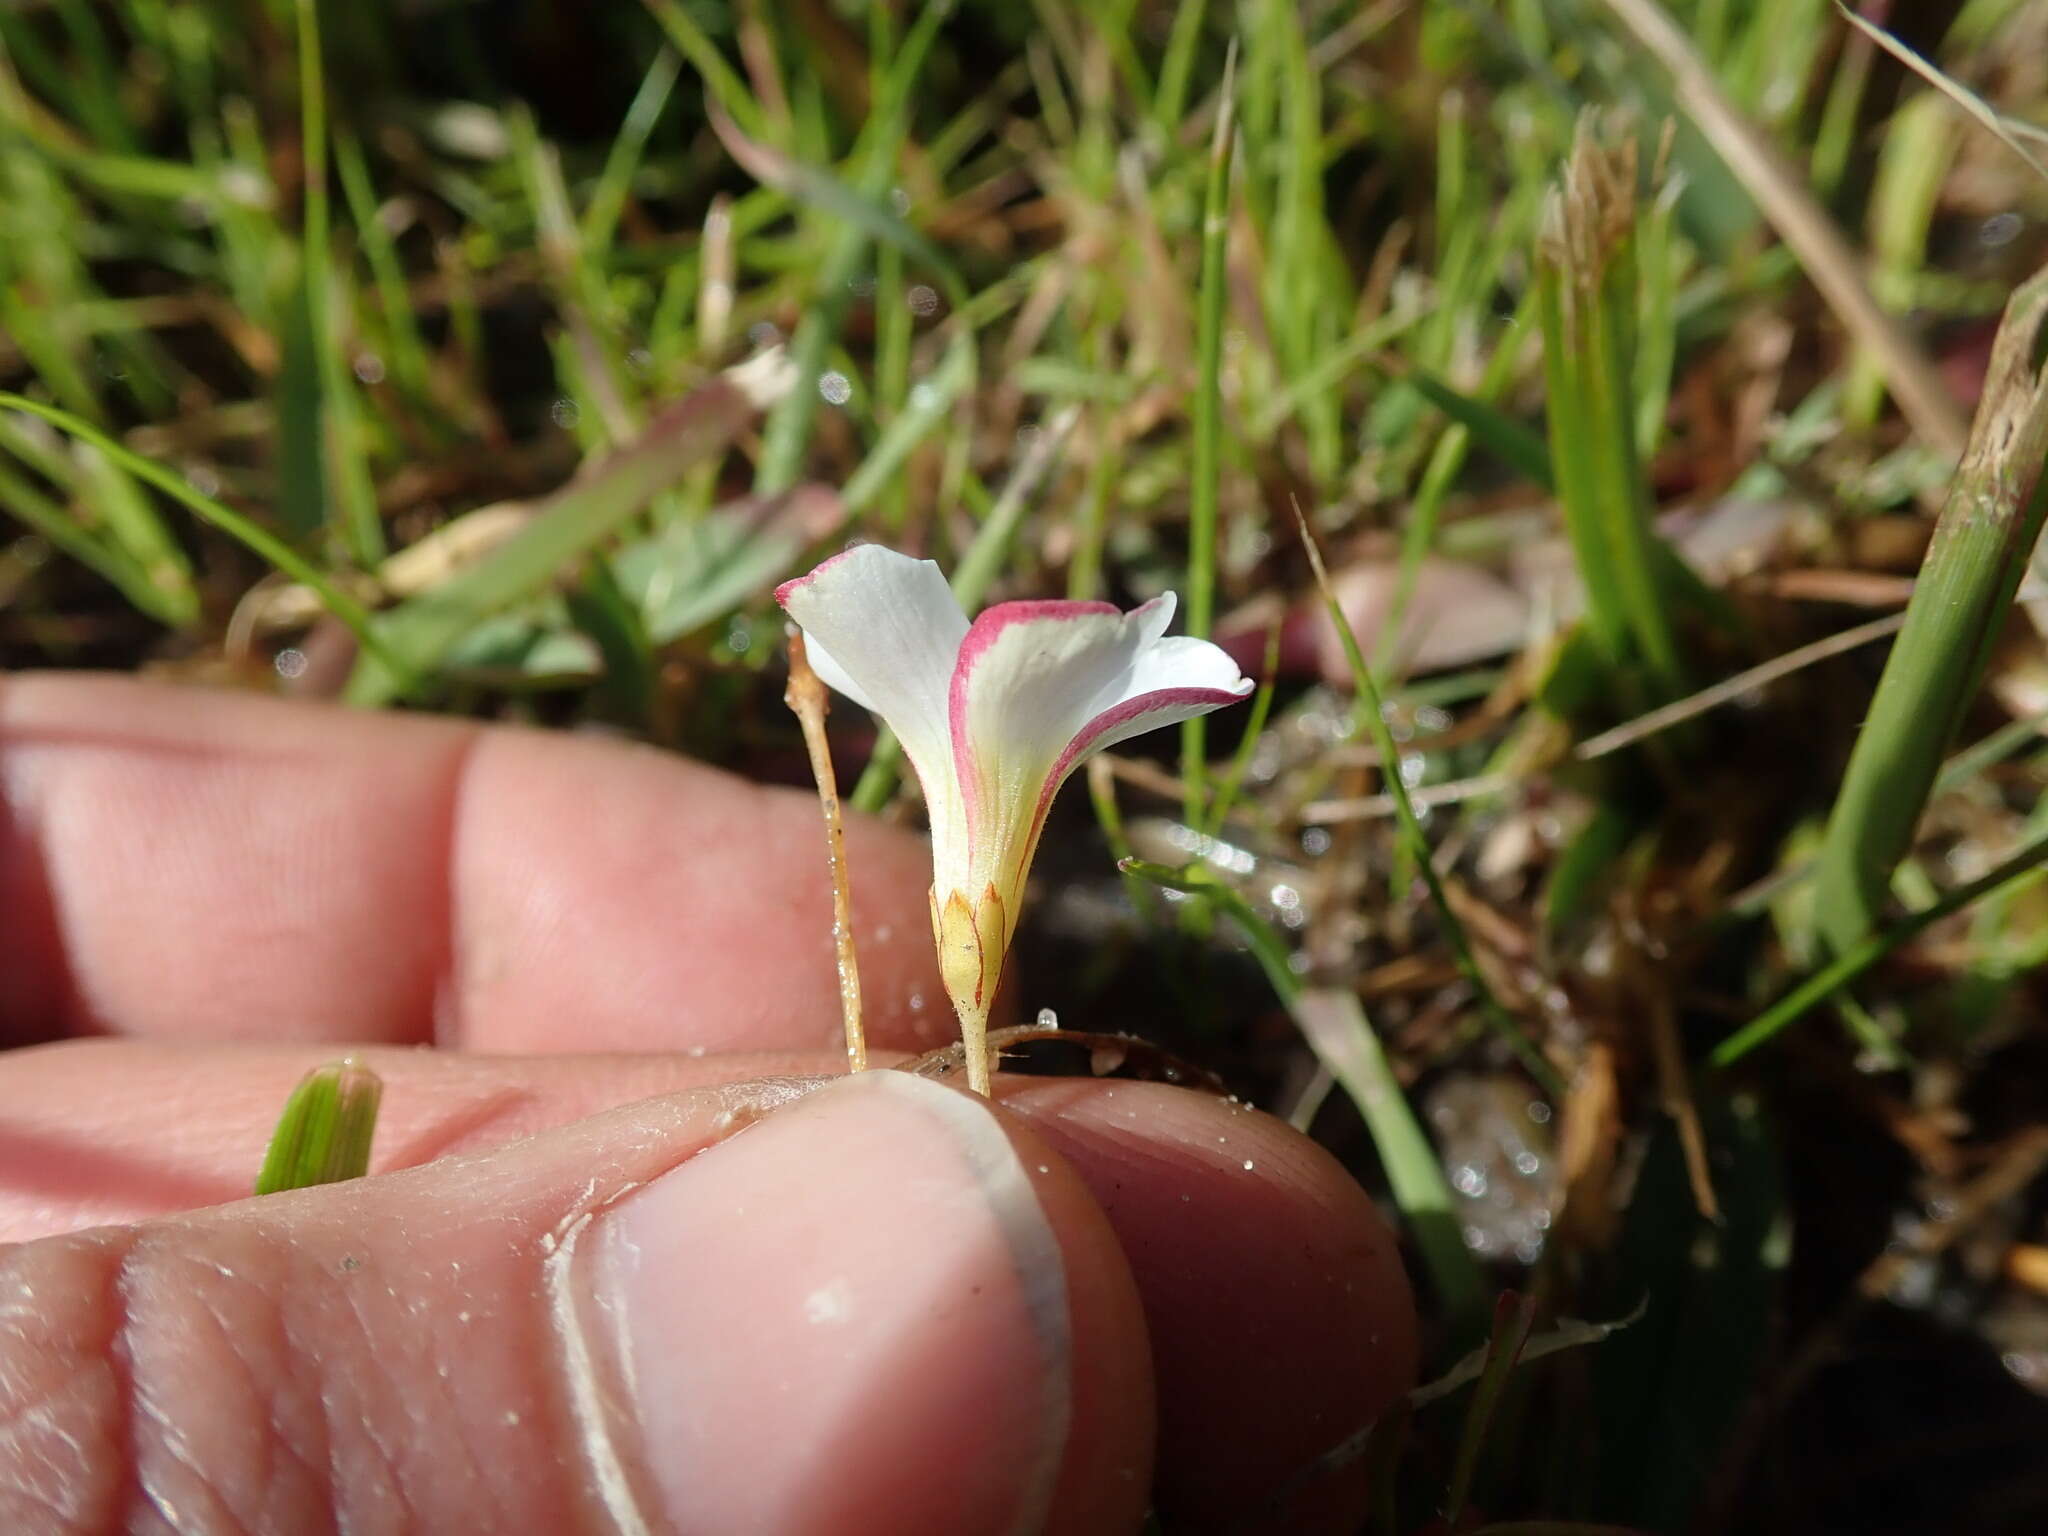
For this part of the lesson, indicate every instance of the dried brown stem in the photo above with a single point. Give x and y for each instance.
(806, 697)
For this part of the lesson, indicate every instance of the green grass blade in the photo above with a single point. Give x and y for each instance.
(722, 83)
(1371, 712)
(1513, 1316)
(1169, 102)
(41, 514)
(1254, 728)
(361, 530)
(1587, 279)
(1866, 951)
(133, 524)
(1986, 530)
(1334, 1024)
(786, 436)
(1515, 445)
(401, 322)
(251, 535)
(925, 406)
(1207, 473)
(421, 630)
(615, 181)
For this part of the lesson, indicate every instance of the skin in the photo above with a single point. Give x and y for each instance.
(632, 1255)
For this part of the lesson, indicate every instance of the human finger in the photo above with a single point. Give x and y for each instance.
(1279, 1314)
(187, 864)
(883, 1306)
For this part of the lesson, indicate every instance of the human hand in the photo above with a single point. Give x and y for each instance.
(571, 1297)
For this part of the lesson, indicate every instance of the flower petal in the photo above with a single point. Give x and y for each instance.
(884, 630)
(1174, 679)
(1028, 676)
(1041, 685)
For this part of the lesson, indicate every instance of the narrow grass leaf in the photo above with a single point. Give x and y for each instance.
(361, 530)
(133, 523)
(925, 405)
(1866, 951)
(251, 535)
(1515, 445)
(1333, 1022)
(1370, 712)
(1987, 529)
(1513, 1317)
(422, 629)
(1248, 744)
(1207, 473)
(615, 181)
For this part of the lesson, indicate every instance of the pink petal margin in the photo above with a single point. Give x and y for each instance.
(1123, 714)
(782, 592)
(982, 634)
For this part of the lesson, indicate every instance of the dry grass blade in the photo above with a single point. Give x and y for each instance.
(2008, 131)
(1801, 222)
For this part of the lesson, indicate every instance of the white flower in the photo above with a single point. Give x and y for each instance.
(994, 715)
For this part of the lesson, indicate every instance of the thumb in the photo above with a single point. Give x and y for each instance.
(883, 1306)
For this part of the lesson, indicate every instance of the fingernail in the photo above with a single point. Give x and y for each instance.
(851, 1315)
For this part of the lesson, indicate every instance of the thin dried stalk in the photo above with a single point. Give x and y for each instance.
(806, 697)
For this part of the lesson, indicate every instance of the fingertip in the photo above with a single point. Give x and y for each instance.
(1105, 1482)
(1280, 1316)
(913, 1319)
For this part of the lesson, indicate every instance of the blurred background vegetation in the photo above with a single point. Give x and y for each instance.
(1619, 355)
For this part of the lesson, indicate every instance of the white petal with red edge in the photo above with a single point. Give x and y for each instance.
(1029, 676)
(884, 630)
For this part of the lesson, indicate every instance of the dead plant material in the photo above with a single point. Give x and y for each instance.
(807, 698)
(1588, 1148)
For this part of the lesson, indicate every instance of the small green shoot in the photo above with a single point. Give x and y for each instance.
(324, 1134)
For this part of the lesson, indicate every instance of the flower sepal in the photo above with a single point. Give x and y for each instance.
(971, 941)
